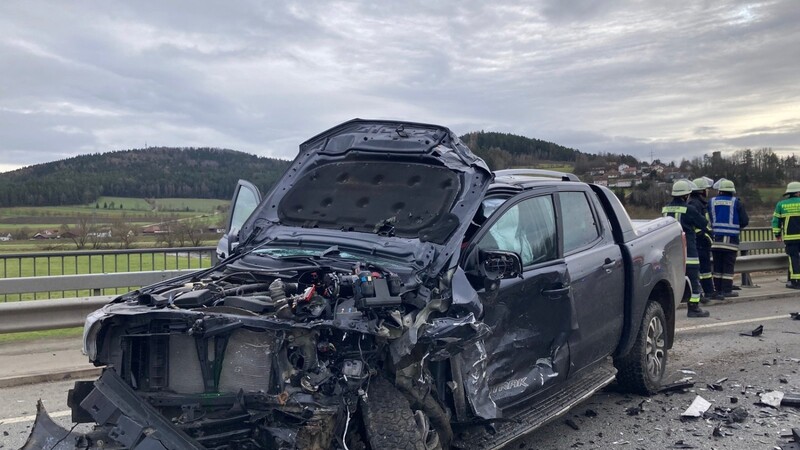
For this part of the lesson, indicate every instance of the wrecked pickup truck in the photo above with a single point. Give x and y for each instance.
(390, 291)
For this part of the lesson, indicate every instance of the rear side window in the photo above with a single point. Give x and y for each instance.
(528, 229)
(580, 224)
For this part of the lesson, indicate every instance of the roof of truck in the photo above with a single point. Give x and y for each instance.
(527, 178)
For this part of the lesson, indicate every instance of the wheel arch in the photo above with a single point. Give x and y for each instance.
(662, 293)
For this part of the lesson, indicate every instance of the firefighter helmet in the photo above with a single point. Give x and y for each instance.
(682, 187)
(727, 186)
(792, 188)
(701, 183)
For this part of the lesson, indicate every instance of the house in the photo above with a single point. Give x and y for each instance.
(5, 238)
(46, 234)
(152, 229)
(99, 234)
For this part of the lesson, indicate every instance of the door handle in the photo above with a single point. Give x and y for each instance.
(556, 291)
(609, 263)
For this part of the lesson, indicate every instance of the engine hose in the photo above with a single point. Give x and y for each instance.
(277, 291)
(246, 288)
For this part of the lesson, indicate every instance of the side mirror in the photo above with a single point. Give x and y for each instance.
(497, 264)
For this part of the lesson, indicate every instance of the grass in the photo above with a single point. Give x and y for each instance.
(43, 266)
(46, 334)
(771, 195)
(192, 204)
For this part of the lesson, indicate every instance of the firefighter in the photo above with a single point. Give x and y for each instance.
(786, 228)
(728, 217)
(699, 200)
(690, 219)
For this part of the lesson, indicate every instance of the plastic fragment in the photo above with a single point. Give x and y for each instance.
(571, 423)
(772, 398)
(757, 331)
(697, 408)
(677, 386)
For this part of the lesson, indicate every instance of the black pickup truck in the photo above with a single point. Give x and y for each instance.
(390, 291)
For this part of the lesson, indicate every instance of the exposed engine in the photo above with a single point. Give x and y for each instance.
(262, 347)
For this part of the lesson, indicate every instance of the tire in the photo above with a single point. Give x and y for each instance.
(643, 368)
(389, 422)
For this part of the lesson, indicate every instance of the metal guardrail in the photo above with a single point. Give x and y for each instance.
(48, 314)
(57, 265)
(92, 282)
(763, 253)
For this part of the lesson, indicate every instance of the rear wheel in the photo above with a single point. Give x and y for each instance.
(389, 422)
(643, 368)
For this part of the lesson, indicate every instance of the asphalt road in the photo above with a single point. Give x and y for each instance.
(705, 349)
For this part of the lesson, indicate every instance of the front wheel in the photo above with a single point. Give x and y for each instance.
(390, 423)
(643, 368)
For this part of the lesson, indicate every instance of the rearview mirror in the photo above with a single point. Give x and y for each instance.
(497, 264)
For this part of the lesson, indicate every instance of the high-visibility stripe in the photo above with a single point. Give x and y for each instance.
(727, 277)
(674, 209)
(705, 276)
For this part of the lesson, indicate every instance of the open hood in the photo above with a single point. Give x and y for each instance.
(393, 179)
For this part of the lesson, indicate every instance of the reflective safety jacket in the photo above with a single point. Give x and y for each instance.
(690, 219)
(728, 217)
(786, 219)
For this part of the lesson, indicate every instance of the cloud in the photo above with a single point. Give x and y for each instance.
(677, 79)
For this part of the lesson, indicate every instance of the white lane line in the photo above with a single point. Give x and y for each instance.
(733, 322)
(33, 417)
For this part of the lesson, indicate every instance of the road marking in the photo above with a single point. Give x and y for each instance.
(733, 322)
(33, 417)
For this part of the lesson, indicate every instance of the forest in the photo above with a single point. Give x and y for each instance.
(212, 172)
(146, 173)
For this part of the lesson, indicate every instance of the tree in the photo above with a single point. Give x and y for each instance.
(81, 231)
(21, 234)
(123, 232)
(195, 228)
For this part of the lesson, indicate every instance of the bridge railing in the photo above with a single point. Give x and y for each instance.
(91, 273)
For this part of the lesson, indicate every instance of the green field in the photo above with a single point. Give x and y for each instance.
(136, 212)
(771, 195)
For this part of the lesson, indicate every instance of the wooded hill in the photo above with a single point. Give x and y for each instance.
(505, 150)
(160, 172)
(148, 173)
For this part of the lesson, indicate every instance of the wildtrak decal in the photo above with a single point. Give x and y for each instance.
(508, 385)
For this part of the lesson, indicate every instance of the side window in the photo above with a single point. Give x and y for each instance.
(528, 229)
(580, 224)
(246, 202)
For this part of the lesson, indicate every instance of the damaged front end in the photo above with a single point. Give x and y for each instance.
(253, 361)
(343, 279)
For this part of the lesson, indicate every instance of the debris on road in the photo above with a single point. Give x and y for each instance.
(772, 398)
(681, 444)
(571, 423)
(757, 331)
(794, 444)
(680, 385)
(795, 315)
(790, 400)
(697, 408)
(727, 415)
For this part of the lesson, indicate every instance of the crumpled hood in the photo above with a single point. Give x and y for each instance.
(387, 178)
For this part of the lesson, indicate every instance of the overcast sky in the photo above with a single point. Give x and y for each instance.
(678, 78)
